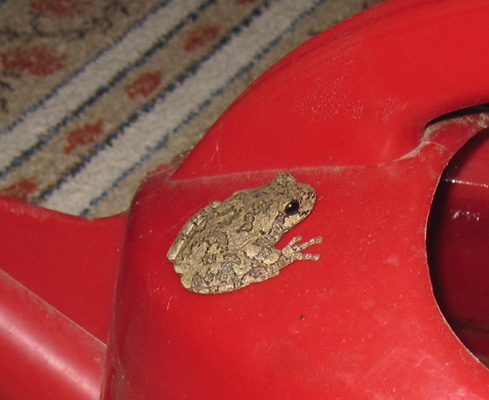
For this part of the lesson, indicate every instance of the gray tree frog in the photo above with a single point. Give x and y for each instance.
(231, 244)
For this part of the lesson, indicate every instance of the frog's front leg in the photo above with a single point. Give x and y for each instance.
(292, 251)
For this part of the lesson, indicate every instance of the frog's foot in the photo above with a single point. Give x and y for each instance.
(293, 249)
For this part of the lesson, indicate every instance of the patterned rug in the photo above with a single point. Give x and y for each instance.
(96, 93)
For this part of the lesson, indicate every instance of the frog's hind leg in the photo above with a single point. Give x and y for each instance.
(190, 227)
(260, 273)
(291, 253)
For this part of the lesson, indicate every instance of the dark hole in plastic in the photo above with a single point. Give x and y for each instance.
(458, 244)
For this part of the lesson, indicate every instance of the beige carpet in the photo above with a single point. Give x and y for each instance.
(96, 93)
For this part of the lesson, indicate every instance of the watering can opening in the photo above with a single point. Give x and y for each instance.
(457, 234)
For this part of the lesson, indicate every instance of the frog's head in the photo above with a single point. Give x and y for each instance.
(296, 201)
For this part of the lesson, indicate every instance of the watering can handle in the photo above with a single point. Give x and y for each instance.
(359, 93)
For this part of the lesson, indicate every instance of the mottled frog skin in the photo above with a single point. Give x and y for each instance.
(231, 244)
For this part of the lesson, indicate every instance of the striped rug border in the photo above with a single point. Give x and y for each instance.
(60, 198)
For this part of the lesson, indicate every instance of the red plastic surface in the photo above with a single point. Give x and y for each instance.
(345, 113)
(360, 323)
(56, 285)
(68, 261)
(44, 355)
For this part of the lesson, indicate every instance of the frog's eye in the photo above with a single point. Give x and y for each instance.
(292, 208)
